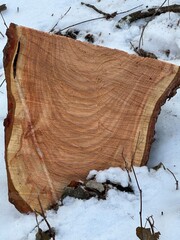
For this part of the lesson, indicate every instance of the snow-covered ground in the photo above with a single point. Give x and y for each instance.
(117, 217)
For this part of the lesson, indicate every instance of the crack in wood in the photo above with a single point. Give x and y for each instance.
(16, 59)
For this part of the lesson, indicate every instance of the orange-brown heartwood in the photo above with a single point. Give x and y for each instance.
(73, 107)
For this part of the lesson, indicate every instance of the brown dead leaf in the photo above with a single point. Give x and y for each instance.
(146, 234)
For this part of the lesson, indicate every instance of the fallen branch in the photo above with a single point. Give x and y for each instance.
(147, 13)
(150, 220)
(167, 169)
(2, 34)
(106, 15)
(94, 19)
(140, 192)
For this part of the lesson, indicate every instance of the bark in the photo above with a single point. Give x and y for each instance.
(151, 12)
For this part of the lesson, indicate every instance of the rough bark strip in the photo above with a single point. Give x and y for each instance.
(73, 107)
(147, 13)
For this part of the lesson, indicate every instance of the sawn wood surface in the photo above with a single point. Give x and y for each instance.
(74, 107)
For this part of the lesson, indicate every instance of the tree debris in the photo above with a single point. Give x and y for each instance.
(98, 18)
(147, 13)
(141, 52)
(106, 15)
(53, 28)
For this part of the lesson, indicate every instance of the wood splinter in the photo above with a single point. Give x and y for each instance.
(74, 107)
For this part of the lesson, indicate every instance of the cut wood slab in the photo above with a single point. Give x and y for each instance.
(73, 107)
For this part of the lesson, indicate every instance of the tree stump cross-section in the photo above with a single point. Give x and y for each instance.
(74, 107)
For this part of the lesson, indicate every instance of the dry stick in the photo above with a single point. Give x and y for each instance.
(45, 219)
(43, 214)
(37, 221)
(157, 11)
(177, 183)
(126, 166)
(4, 20)
(140, 190)
(106, 15)
(94, 19)
(52, 29)
(2, 34)
(151, 223)
(148, 13)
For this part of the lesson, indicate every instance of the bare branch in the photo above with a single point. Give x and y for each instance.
(138, 185)
(150, 220)
(94, 19)
(157, 11)
(3, 20)
(37, 220)
(43, 214)
(52, 29)
(106, 15)
(126, 166)
(151, 12)
(177, 183)
(141, 205)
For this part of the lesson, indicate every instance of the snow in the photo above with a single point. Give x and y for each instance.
(117, 217)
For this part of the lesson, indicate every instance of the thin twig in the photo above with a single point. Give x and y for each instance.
(141, 205)
(151, 224)
(36, 225)
(43, 214)
(52, 29)
(2, 34)
(37, 220)
(138, 185)
(2, 82)
(177, 183)
(3, 20)
(94, 19)
(51, 230)
(155, 13)
(106, 15)
(126, 166)
(169, 11)
(141, 52)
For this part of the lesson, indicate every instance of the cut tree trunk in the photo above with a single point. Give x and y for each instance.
(73, 107)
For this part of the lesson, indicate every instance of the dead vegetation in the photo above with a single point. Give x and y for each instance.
(148, 13)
